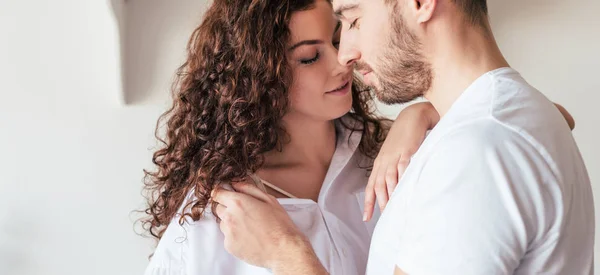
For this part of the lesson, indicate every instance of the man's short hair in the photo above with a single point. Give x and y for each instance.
(475, 11)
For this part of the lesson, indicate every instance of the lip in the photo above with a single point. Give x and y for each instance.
(366, 77)
(341, 90)
(364, 72)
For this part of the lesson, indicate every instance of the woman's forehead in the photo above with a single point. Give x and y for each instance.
(317, 22)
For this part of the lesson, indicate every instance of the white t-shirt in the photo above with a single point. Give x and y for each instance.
(334, 225)
(498, 187)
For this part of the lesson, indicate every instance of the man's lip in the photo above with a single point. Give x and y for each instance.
(367, 78)
(364, 72)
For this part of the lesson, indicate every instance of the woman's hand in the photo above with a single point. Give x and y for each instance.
(568, 117)
(403, 140)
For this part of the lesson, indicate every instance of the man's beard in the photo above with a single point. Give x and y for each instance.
(403, 72)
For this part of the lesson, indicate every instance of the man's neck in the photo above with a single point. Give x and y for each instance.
(462, 54)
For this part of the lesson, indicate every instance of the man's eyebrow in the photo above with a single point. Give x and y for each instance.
(344, 8)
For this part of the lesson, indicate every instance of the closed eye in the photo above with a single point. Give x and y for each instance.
(354, 24)
(310, 61)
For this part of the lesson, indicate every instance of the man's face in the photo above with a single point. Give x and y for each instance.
(375, 37)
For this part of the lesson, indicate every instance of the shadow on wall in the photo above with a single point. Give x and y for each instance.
(118, 9)
(153, 37)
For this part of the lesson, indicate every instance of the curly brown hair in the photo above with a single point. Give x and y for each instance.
(228, 103)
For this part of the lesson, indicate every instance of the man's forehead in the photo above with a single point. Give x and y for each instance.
(340, 5)
(344, 2)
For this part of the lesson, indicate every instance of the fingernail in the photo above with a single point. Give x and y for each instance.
(364, 217)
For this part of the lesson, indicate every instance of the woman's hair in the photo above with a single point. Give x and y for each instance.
(228, 103)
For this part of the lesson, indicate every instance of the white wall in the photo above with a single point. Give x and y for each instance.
(72, 155)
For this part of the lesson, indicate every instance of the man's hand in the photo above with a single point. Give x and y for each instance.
(259, 231)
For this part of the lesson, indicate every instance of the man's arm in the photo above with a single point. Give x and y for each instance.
(301, 259)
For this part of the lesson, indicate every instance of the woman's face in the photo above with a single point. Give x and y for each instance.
(321, 87)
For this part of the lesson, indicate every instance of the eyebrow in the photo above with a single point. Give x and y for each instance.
(305, 42)
(344, 8)
(314, 41)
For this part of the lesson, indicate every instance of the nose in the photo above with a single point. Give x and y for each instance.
(340, 69)
(347, 55)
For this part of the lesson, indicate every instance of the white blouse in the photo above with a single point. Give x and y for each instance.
(334, 225)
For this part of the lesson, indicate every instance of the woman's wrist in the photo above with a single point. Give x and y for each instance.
(422, 113)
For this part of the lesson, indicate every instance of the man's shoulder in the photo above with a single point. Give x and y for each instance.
(517, 104)
(500, 105)
(485, 145)
(510, 112)
(476, 134)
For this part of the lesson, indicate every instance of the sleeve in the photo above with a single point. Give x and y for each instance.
(474, 207)
(196, 247)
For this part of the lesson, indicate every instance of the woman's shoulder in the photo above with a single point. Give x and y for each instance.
(183, 220)
(184, 235)
(196, 247)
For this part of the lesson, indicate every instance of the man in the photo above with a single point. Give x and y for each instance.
(498, 187)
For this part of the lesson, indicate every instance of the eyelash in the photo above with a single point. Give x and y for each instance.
(310, 61)
(354, 23)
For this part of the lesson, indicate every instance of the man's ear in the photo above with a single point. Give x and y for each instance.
(422, 9)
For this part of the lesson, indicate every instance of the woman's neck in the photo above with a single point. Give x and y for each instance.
(310, 143)
(302, 164)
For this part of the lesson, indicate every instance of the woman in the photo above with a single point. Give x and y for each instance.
(262, 96)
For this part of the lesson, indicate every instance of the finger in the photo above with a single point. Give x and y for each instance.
(403, 164)
(228, 198)
(369, 203)
(370, 194)
(252, 190)
(381, 191)
(225, 220)
(391, 179)
(225, 228)
(374, 173)
(220, 211)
